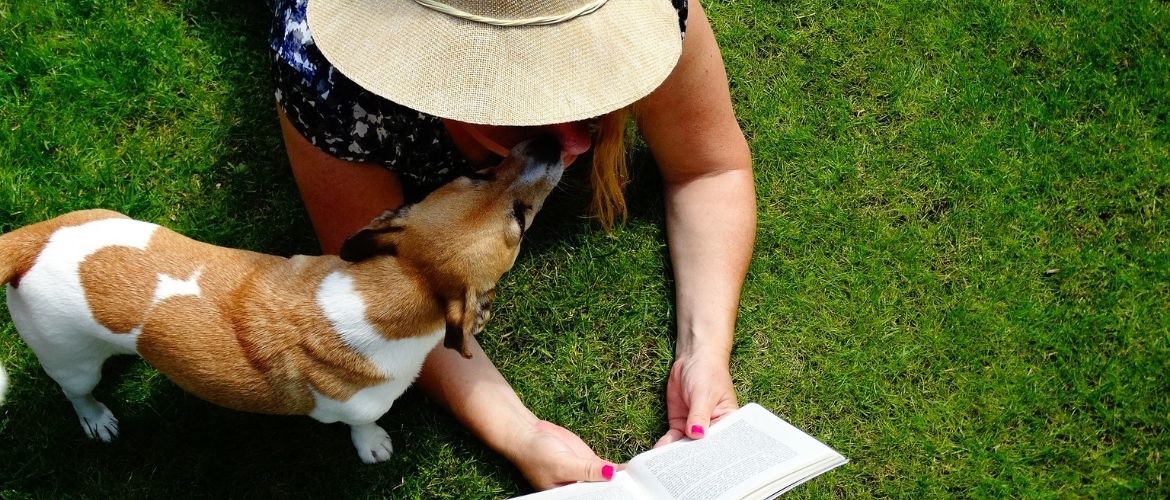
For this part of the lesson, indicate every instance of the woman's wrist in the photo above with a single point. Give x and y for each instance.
(507, 430)
(517, 434)
(703, 344)
(500, 419)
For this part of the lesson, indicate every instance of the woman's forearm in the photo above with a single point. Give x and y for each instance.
(476, 393)
(710, 222)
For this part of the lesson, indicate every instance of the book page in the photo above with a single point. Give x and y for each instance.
(622, 487)
(749, 454)
(749, 450)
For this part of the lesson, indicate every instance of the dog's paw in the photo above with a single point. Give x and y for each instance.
(372, 443)
(100, 425)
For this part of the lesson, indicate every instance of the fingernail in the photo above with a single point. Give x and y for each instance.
(607, 472)
(697, 430)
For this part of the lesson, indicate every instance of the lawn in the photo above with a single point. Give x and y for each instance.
(961, 278)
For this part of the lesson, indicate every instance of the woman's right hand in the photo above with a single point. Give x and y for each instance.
(549, 455)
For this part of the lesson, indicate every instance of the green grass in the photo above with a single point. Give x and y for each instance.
(961, 280)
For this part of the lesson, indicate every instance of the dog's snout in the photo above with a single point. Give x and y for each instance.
(545, 150)
(539, 166)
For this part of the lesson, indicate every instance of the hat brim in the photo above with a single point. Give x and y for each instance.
(479, 73)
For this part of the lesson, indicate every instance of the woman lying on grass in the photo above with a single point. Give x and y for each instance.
(380, 100)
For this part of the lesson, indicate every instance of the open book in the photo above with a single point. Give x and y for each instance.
(749, 454)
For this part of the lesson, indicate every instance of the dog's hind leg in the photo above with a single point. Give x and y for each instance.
(97, 420)
(78, 373)
(72, 360)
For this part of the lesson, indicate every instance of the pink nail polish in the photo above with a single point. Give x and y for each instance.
(697, 430)
(607, 472)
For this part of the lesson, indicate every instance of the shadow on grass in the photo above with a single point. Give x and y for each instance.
(254, 183)
(174, 445)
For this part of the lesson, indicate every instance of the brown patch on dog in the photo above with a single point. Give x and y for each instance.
(119, 299)
(190, 340)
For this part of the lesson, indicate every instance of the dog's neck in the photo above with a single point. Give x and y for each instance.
(391, 276)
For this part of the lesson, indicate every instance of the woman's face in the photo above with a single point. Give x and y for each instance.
(575, 137)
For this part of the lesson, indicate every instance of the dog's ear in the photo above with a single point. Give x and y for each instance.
(380, 236)
(466, 317)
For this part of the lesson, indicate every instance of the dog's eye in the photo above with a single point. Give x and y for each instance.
(519, 211)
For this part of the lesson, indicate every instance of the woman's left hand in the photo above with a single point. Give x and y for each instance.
(549, 455)
(698, 392)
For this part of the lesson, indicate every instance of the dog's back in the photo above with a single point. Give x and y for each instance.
(86, 286)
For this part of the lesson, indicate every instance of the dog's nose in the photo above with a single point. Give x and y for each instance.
(544, 150)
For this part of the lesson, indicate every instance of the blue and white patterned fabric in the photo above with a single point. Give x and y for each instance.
(348, 122)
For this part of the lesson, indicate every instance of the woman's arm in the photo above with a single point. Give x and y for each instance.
(473, 389)
(691, 128)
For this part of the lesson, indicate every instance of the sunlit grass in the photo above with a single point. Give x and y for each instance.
(961, 281)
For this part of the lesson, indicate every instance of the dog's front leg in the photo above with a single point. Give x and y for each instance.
(372, 442)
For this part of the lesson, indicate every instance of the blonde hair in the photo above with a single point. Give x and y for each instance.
(610, 172)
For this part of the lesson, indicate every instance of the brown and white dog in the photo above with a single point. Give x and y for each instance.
(337, 339)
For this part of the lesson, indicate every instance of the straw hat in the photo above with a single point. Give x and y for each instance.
(501, 62)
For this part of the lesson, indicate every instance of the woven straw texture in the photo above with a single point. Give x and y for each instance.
(481, 73)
